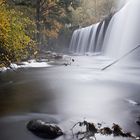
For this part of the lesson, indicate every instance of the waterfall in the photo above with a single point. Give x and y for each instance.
(91, 47)
(115, 36)
(89, 39)
(123, 33)
(81, 40)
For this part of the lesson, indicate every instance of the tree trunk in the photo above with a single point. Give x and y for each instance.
(38, 26)
(96, 10)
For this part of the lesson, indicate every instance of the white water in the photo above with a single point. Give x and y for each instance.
(123, 33)
(26, 64)
(35, 64)
(92, 40)
(84, 39)
(121, 36)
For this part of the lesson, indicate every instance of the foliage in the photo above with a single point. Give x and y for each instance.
(15, 43)
(22, 21)
(92, 11)
(51, 17)
(52, 14)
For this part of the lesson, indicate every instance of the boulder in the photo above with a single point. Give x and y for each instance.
(43, 129)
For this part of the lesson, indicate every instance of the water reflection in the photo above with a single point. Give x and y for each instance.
(25, 93)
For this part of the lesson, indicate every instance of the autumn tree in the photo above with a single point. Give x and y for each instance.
(15, 41)
(51, 16)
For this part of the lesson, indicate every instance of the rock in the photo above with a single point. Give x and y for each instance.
(106, 131)
(44, 129)
(91, 127)
(99, 125)
(72, 60)
(58, 56)
(138, 122)
(65, 64)
(128, 134)
(48, 52)
(117, 130)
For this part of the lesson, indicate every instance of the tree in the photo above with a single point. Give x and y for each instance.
(92, 11)
(14, 39)
(51, 16)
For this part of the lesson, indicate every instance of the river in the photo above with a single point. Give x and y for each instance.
(68, 94)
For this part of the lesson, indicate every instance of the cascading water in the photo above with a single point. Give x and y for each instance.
(87, 39)
(114, 36)
(92, 39)
(123, 33)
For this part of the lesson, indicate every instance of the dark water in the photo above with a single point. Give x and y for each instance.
(66, 95)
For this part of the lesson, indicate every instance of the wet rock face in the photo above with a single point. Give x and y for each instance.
(43, 129)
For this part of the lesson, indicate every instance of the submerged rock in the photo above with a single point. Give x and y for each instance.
(44, 129)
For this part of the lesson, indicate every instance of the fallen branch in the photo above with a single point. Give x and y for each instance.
(122, 57)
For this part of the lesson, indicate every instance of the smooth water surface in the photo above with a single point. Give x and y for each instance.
(68, 94)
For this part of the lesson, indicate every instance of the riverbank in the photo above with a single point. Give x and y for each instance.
(47, 60)
(28, 64)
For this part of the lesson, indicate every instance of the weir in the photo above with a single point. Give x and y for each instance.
(114, 36)
(89, 39)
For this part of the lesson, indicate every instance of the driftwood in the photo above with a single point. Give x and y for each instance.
(116, 61)
(92, 130)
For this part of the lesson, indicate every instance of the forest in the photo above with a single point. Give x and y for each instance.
(28, 27)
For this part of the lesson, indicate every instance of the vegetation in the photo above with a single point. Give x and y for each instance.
(28, 26)
(15, 41)
(92, 11)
